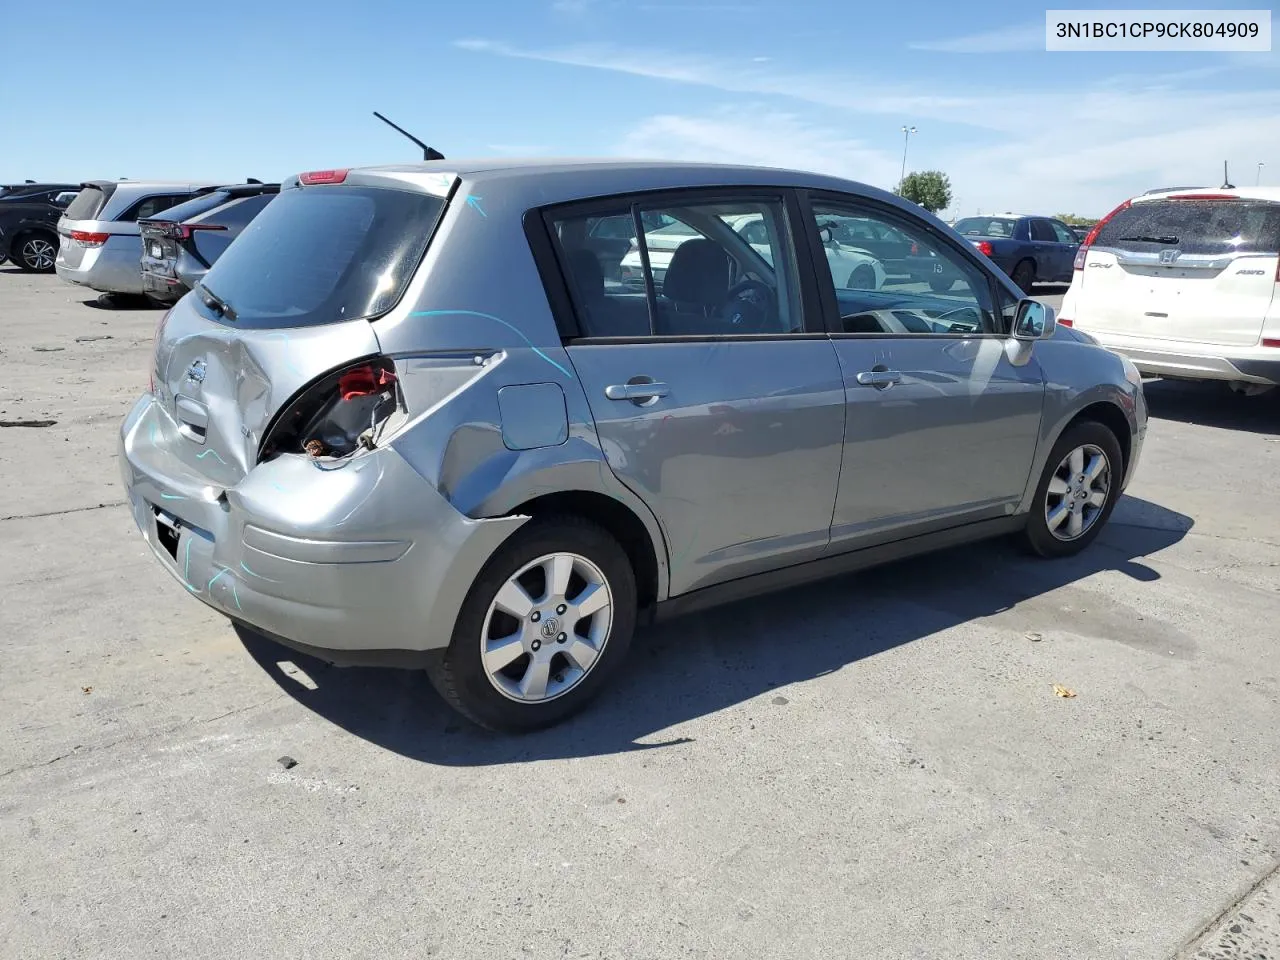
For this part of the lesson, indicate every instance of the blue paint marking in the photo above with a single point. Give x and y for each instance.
(186, 570)
(236, 596)
(171, 496)
(474, 203)
(277, 486)
(155, 434)
(287, 361)
(489, 316)
(216, 577)
(258, 575)
(214, 453)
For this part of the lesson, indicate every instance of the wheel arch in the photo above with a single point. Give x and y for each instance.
(622, 523)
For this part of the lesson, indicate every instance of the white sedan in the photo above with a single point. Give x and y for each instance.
(851, 267)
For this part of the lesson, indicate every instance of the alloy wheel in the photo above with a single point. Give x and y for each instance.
(38, 253)
(546, 627)
(1077, 492)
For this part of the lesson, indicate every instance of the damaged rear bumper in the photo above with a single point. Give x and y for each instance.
(364, 562)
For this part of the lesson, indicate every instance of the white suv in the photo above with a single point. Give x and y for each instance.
(1183, 282)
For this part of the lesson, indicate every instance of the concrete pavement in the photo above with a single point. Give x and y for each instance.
(875, 767)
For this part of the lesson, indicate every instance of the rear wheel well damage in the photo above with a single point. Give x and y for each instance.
(625, 527)
(1113, 418)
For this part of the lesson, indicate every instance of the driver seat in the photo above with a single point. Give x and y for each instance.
(696, 284)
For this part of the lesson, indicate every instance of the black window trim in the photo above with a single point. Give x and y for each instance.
(897, 218)
(540, 233)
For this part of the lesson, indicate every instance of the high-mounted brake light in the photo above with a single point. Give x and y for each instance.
(1203, 196)
(1083, 250)
(183, 231)
(322, 176)
(984, 247)
(89, 239)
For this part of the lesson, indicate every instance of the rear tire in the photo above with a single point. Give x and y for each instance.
(1024, 275)
(1074, 498)
(34, 251)
(941, 285)
(862, 278)
(517, 673)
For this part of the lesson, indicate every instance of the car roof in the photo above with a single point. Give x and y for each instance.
(149, 184)
(543, 181)
(1271, 194)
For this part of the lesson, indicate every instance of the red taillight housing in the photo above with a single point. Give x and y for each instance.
(1065, 322)
(1083, 251)
(89, 239)
(984, 247)
(915, 249)
(1270, 342)
(336, 414)
(322, 176)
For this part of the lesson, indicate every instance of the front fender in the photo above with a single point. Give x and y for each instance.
(1078, 375)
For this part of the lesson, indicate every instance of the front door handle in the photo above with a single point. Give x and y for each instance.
(636, 392)
(879, 378)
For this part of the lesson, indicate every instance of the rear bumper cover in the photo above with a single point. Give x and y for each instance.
(111, 268)
(1196, 361)
(362, 564)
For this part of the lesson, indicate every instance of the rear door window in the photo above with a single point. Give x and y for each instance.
(1198, 227)
(193, 207)
(324, 254)
(237, 213)
(1062, 232)
(88, 203)
(1042, 231)
(150, 206)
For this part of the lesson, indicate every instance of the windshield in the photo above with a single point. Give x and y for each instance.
(324, 254)
(986, 226)
(1206, 227)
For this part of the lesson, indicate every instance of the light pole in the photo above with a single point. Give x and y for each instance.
(906, 139)
(1258, 179)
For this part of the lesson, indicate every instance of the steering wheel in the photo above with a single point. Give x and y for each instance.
(746, 307)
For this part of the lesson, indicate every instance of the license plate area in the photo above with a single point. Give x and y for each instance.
(168, 532)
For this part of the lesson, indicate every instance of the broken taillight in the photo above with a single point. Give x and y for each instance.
(183, 231)
(336, 414)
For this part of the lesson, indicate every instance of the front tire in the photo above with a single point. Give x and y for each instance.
(545, 624)
(34, 252)
(862, 278)
(940, 285)
(1077, 491)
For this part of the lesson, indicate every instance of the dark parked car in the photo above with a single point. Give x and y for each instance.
(29, 215)
(1028, 249)
(180, 246)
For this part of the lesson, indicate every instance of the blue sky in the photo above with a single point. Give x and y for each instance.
(180, 91)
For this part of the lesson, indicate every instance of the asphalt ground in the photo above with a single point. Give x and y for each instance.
(876, 766)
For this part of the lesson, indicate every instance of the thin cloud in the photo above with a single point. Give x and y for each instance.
(1030, 36)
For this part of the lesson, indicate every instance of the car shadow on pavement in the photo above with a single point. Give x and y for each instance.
(1213, 405)
(121, 301)
(693, 666)
(13, 270)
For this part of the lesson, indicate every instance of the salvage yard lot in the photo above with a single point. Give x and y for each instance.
(876, 766)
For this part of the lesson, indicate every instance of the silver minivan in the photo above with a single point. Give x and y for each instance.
(407, 418)
(100, 246)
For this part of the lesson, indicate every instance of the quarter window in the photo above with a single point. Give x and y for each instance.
(918, 286)
(1043, 230)
(714, 268)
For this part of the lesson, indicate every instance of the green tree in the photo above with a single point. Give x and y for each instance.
(1072, 220)
(931, 189)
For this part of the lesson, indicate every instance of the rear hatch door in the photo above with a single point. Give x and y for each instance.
(289, 301)
(1198, 268)
(81, 217)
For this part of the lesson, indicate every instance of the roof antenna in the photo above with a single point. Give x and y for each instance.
(1226, 180)
(427, 152)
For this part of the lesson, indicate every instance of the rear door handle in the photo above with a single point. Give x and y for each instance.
(636, 391)
(879, 378)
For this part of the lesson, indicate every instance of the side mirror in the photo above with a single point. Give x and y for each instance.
(1033, 321)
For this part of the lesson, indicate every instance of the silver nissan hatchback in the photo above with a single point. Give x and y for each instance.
(415, 416)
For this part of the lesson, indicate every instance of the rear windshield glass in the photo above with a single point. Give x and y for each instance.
(985, 227)
(324, 254)
(88, 203)
(1195, 226)
(185, 211)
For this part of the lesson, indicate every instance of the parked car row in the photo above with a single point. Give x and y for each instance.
(101, 233)
(29, 215)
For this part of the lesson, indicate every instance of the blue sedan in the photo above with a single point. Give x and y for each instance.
(1029, 249)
